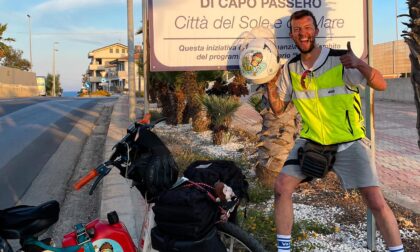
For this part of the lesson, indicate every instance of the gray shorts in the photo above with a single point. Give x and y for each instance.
(354, 166)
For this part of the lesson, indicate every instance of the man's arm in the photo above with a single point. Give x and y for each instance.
(277, 106)
(374, 78)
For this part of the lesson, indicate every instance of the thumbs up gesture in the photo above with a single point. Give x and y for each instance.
(349, 60)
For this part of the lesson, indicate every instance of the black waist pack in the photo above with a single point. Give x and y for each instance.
(316, 160)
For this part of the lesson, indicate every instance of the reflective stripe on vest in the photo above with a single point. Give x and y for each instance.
(330, 111)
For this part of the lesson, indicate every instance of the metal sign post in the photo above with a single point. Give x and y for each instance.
(131, 67)
(370, 130)
(146, 69)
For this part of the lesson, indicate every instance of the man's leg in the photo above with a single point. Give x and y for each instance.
(284, 187)
(384, 216)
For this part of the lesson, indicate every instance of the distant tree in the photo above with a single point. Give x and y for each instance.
(9, 56)
(3, 47)
(13, 58)
(49, 84)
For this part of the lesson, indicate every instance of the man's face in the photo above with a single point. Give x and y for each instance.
(304, 33)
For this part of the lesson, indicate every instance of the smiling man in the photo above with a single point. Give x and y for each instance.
(322, 84)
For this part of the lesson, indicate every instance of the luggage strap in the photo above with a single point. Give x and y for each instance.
(205, 188)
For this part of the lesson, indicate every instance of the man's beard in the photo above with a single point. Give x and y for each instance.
(311, 47)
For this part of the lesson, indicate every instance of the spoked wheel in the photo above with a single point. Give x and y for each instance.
(236, 239)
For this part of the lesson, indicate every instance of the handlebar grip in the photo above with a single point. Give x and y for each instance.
(146, 119)
(83, 181)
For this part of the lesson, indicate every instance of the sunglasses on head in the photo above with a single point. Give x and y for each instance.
(303, 77)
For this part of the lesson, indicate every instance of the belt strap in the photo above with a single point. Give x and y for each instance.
(82, 238)
(44, 246)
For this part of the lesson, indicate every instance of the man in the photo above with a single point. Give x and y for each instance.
(321, 82)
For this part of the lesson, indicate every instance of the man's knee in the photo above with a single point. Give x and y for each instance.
(374, 199)
(285, 185)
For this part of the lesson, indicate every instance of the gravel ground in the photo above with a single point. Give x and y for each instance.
(321, 201)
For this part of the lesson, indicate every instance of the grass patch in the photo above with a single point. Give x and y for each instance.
(185, 157)
(258, 193)
(303, 228)
(261, 225)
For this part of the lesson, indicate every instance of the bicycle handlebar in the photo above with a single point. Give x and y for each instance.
(86, 179)
(102, 170)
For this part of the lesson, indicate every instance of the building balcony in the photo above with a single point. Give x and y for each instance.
(95, 79)
(97, 67)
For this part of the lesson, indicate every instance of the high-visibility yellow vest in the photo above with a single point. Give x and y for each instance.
(331, 111)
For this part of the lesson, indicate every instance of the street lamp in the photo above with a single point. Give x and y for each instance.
(30, 39)
(54, 50)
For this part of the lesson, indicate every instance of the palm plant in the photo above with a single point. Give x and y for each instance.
(164, 83)
(412, 38)
(276, 138)
(191, 89)
(238, 86)
(220, 110)
(179, 98)
(200, 119)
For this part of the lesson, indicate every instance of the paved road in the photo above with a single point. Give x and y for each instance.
(31, 131)
(397, 154)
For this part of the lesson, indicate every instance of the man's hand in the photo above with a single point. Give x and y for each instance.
(349, 60)
(374, 78)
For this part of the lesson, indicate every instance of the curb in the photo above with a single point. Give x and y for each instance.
(117, 193)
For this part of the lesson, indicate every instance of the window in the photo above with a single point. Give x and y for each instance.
(123, 50)
(117, 50)
(111, 50)
(121, 66)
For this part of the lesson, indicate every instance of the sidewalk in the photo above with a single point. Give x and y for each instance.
(397, 153)
(397, 159)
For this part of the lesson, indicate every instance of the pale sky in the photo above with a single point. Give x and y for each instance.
(80, 26)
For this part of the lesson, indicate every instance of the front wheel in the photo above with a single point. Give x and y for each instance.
(236, 239)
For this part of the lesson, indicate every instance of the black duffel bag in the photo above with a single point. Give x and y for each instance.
(209, 243)
(212, 171)
(186, 212)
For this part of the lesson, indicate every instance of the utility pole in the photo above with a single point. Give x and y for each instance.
(53, 86)
(145, 56)
(131, 67)
(30, 40)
